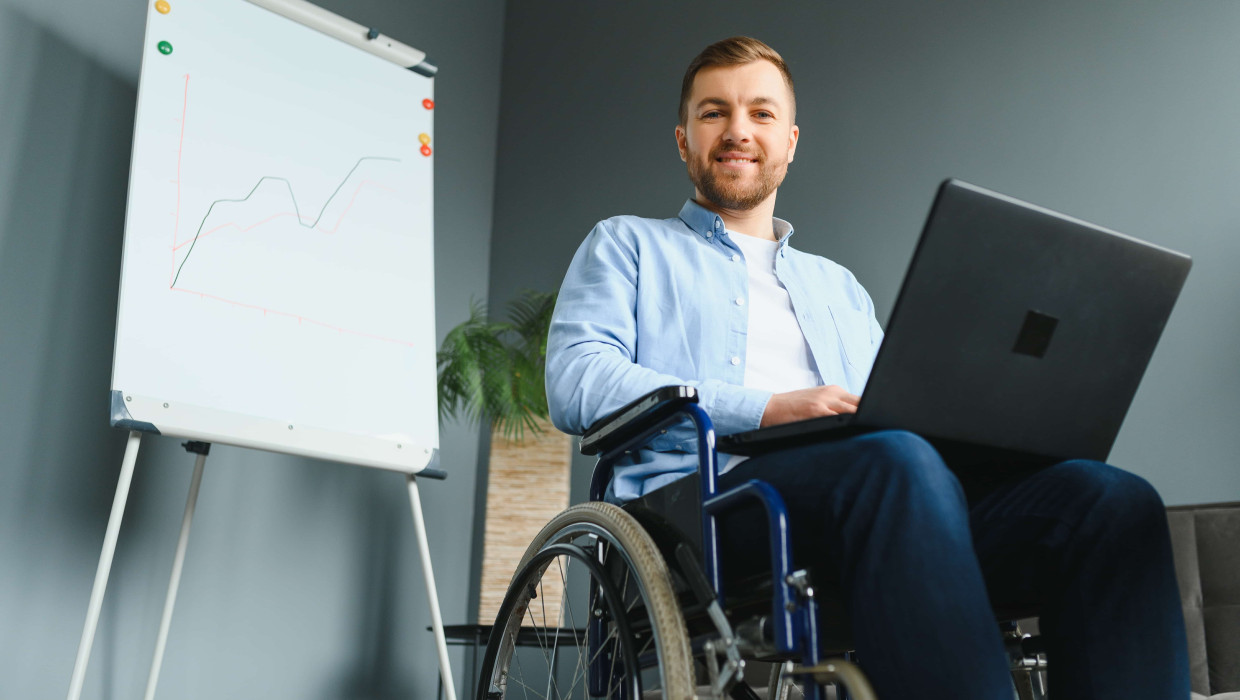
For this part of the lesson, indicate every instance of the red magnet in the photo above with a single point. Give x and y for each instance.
(426, 150)
(428, 103)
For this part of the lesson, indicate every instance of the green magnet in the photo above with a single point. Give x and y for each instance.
(165, 48)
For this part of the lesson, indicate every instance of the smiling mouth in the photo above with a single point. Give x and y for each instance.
(736, 160)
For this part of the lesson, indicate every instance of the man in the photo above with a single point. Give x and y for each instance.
(716, 298)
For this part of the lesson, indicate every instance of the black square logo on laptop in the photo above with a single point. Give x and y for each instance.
(1035, 334)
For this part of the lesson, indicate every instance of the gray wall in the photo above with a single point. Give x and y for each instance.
(1124, 114)
(302, 579)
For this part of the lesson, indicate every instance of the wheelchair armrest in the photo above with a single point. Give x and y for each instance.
(638, 416)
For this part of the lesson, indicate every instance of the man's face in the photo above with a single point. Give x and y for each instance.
(739, 136)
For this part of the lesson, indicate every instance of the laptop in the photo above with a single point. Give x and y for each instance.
(1017, 329)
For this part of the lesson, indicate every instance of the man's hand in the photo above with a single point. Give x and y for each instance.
(809, 403)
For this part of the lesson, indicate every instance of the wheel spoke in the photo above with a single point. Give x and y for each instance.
(516, 655)
(584, 668)
(647, 645)
(611, 672)
(602, 646)
(624, 591)
(529, 690)
(541, 637)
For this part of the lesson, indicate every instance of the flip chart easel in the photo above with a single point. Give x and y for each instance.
(277, 283)
(111, 535)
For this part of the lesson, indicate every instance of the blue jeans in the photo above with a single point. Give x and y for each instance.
(922, 567)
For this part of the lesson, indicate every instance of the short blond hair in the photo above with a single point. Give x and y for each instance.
(734, 51)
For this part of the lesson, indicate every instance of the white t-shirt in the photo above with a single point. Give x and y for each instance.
(777, 358)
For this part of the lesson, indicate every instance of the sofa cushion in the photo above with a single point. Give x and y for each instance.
(1207, 561)
(1218, 556)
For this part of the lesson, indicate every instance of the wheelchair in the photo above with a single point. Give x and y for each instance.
(629, 602)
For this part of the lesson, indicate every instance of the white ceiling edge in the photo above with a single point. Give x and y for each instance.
(107, 31)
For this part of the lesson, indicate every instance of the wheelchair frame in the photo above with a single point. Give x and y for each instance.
(794, 609)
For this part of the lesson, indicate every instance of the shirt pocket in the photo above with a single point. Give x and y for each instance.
(853, 327)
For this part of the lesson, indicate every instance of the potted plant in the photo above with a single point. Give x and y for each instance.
(492, 372)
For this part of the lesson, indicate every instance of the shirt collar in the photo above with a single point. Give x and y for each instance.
(707, 223)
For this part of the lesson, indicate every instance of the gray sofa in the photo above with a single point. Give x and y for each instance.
(1206, 541)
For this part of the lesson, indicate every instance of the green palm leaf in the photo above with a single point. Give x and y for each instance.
(495, 371)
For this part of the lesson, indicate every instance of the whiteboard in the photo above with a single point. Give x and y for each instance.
(277, 286)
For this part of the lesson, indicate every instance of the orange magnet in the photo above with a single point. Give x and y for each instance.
(428, 103)
(425, 139)
(426, 150)
(162, 7)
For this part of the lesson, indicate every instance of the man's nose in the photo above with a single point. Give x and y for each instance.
(737, 132)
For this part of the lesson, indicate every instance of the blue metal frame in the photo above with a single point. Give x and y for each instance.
(784, 602)
(794, 616)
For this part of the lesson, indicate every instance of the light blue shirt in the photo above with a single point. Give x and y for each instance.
(652, 302)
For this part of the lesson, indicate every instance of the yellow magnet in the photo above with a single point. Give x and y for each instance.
(425, 139)
(162, 7)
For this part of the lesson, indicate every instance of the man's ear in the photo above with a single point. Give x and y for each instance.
(682, 143)
(793, 137)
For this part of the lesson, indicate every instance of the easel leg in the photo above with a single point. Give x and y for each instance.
(201, 449)
(441, 643)
(105, 565)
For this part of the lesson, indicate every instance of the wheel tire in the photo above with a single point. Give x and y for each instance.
(641, 560)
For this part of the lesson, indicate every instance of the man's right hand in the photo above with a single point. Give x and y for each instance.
(809, 403)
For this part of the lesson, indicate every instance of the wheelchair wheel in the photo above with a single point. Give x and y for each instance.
(619, 632)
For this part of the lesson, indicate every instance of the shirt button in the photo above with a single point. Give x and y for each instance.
(740, 301)
(735, 258)
(709, 234)
(736, 360)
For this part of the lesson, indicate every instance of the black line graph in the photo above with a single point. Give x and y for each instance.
(292, 196)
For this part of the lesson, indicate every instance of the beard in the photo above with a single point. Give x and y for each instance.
(728, 190)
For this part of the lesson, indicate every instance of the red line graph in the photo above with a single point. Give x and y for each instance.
(243, 305)
(354, 199)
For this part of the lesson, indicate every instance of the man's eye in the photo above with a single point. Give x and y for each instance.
(764, 115)
(713, 114)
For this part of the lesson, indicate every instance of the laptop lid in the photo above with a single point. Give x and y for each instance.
(1020, 328)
